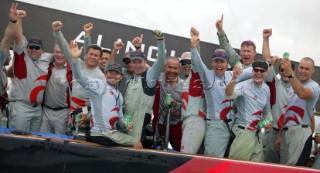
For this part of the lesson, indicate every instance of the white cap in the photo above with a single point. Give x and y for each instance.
(186, 56)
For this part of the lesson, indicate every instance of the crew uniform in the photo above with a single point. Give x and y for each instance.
(30, 78)
(193, 114)
(57, 100)
(80, 96)
(219, 110)
(140, 93)
(160, 111)
(278, 100)
(297, 136)
(106, 101)
(253, 104)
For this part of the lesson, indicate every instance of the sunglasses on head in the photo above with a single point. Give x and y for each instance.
(126, 61)
(184, 62)
(259, 70)
(220, 54)
(34, 47)
(247, 43)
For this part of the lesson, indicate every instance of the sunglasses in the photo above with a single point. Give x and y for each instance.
(248, 43)
(220, 54)
(126, 61)
(259, 70)
(34, 47)
(184, 62)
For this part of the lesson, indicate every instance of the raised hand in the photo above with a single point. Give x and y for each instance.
(286, 66)
(267, 33)
(87, 28)
(13, 12)
(194, 39)
(74, 50)
(158, 34)
(237, 69)
(194, 32)
(219, 24)
(117, 45)
(57, 25)
(21, 14)
(137, 41)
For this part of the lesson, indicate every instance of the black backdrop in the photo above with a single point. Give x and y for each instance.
(39, 19)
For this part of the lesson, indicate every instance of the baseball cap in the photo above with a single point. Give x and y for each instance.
(186, 56)
(115, 67)
(35, 41)
(127, 55)
(137, 55)
(260, 64)
(220, 54)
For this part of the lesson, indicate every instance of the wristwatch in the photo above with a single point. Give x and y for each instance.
(291, 76)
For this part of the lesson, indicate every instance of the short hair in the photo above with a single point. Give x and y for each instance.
(106, 51)
(248, 43)
(308, 59)
(95, 47)
(172, 57)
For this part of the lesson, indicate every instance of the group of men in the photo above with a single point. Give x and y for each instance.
(218, 109)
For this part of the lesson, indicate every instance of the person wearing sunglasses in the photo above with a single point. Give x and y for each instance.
(30, 68)
(247, 48)
(185, 63)
(252, 98)
(219, 111)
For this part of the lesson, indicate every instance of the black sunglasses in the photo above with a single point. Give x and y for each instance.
(126, 61)
(184, 62)
(259, 70)
(34, 47)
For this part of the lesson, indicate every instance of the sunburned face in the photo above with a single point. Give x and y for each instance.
(247, 54)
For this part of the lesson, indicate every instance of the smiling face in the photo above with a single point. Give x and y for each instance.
(305, 69)
(34, 51)
(171, 69)
(59, 58)
(219, 66)
(113, 77)
(247, 54)
(103, 60)
(138, 66)
(259, 74)
(93, 57)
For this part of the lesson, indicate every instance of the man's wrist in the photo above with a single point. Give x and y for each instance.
(12, 21)
(291, 76)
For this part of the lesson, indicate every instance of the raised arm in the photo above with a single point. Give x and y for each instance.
(155, 70)
(299, 89)
(265, 45)
(8, 33)
(230, 92)
(78, 74)
(234, 58)
(87, 28)
(196, 61)
(117, 45)
(61, 41)
(18, 31)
